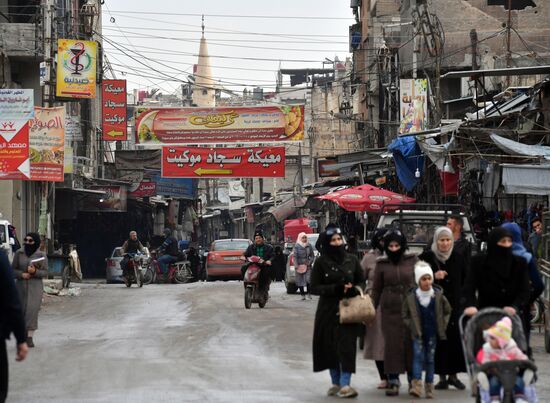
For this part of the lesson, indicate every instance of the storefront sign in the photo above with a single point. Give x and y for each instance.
(76, 68)
(73, 131)
(197, 162)
(16, 104)
(413, 105)
(14, 149)
(114, 200)
(325, 168)
(47, 144)
(180, 188)
(219, 125)
(144, 189)
(113, 117)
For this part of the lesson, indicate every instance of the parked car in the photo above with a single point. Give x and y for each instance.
(290, 274)
(8, 240)
(223, 259)
(113, 270)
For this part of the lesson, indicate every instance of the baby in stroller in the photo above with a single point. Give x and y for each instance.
(500, 366)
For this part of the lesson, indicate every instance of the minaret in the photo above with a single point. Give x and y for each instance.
(204, 93)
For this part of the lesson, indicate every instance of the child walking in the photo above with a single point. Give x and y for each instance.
(500, 346)
(426, 312)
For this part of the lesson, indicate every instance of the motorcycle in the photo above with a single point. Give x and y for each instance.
(134, 270)
(178, 272)
(251, 280)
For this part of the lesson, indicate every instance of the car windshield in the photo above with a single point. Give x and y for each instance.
(230, 245)
(2, 233)
(418, 231)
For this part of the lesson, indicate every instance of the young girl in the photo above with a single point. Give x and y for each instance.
(501, 346)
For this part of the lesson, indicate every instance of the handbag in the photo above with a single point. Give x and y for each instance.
(356, 309)
(301, 268)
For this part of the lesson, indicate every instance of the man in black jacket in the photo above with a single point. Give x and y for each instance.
(168, 250)
(263, 250)
(11, 321)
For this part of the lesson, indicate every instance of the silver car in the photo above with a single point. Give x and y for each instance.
(113, 270)
(290, 275)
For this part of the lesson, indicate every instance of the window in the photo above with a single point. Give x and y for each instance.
(230, 245)
(2, 233)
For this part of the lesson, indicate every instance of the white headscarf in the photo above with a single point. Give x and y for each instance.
(299, 240)
(441, 232)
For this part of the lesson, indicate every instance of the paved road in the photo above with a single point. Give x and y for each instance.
(185, 343)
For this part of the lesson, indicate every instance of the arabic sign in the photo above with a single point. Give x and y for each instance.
(196, 162)
(180, 188)
(14, 149)
(144, 189)
(219, 125)
(413, 106)
(47, 144)
(76, 68)
(113, 116)
(16, 104)
(73, 131)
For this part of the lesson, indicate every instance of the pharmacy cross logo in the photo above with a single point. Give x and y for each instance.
(76, 59)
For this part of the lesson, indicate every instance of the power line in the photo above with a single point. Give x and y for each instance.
(236, 16)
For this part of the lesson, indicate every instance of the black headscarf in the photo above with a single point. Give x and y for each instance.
(377, 238)
(336, 253)
(321, 241)
(30, 249)
(397, 236)
(499, 258)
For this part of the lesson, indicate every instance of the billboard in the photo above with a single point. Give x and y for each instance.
(413, 106)
(113, 110)
(208, 162)
(76, 68)
(47, 144)
(255, 124)
(14, 149)
(143, 189)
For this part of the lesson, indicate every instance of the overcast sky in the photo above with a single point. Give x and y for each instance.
(156, 50)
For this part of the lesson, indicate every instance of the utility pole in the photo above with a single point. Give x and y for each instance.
(415, 44)
(300, 170)
(508, 41)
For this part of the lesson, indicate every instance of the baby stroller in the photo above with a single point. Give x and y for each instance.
(506, 371)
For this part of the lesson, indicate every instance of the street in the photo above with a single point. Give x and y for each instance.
(191, 343)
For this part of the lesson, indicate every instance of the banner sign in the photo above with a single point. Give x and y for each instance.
(14, 149)
(113, 115)
(413, 106)
(73, 131)
(16, 104)
(115, 200)
(196, 162)
(76, 68)
(144, 189)
(183, 126)
(325, 168)
(180, 188)
(47, 144)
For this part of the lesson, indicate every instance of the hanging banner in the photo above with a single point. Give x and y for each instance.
(413, 106)
(16, 104)
(113, 115)
(14, 149)
(47, 144)
(76, 68)
(144, 189)
(73, 131)
(249, 162)
(182, 126)
(180, 188)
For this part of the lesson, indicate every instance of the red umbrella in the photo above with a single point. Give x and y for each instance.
(365, 198)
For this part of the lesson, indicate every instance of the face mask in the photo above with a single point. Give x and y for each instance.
(395, 256)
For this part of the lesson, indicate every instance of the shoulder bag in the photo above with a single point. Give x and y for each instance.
(358, 309)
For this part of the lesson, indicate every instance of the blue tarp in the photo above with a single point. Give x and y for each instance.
(408, 158)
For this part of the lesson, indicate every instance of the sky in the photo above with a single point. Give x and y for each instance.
(152, 44)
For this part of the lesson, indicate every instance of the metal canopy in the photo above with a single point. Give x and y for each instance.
(516, 71)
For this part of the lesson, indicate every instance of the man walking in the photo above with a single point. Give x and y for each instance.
(535, 238)
(456, 223)
(11, 321)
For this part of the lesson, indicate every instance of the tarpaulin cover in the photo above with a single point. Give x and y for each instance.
(408, 158)
(516, 148)
(526, 179)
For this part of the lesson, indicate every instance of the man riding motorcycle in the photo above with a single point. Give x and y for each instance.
(265, 252)
(169, 251)
(130, 247)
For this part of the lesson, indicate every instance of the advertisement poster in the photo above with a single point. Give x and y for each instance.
(16, 104)
(203, 162)
(183, 126)
(47, 144)
(180, 188)
(14, 149)
(144, 189)
(76, 68)
(73, 131)
(113, 110)
(413, 106)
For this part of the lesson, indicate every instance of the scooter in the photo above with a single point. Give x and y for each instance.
(134, 270)
(178, 272)
(252, 291)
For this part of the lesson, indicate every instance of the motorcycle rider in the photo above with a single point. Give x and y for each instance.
(265, 252)
(130, 247)
(168, 250)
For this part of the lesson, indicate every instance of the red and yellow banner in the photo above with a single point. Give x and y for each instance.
(47, 144)
(249, 162)
(166, 126)
(113, 107)
(14, 149)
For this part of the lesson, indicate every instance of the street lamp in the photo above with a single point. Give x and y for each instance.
(89, 12)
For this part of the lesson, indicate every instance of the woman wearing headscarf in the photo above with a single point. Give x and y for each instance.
(374, 339)
(30, 266)
(303, 259)
(536, 285)
(393, 277)
(334, 276)
(497, 278)
(449, 267)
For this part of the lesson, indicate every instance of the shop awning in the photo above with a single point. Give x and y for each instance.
(516, 148)
(287, 208)
(526, 179)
